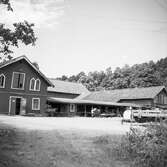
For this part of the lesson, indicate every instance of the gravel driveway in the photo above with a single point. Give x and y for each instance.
(104, 125)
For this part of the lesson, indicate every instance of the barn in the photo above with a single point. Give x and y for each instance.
(73, 99)
(25, 90)
(155, 96)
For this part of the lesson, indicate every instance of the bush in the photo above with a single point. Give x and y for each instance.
(146, 148)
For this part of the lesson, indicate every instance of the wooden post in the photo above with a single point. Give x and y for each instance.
(106, 109)
(92, 112)
(85, 111)
(100, 111)
(117, 112)
(131, 116)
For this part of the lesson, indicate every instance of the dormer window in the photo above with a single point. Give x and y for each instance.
(18, 80)
(35, 84)
(2, 81)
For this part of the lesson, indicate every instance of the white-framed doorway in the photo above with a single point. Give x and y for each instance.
(17, 105)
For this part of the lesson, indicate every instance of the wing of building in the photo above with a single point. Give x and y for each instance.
(64, 89)
(155, 96)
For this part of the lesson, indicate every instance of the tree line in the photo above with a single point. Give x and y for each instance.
(138, 75)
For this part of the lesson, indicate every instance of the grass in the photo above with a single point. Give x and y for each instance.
(146, 148)
(56, 148)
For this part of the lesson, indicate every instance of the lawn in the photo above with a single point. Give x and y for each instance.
(59, 142)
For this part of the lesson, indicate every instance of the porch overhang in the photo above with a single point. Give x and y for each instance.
(89, 102)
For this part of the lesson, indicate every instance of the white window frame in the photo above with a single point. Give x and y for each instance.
(31, 83)
(23, 80)
(35, 84)
(39, 85)
(38, 104)
(4, 80)
(72, 107)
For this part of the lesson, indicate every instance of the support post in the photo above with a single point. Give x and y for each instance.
(92, 112)
(85, 111)
(131, 116)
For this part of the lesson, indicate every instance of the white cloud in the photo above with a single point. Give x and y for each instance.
(44, 13)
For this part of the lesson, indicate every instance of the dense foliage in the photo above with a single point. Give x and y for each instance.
(138, 75)
(144, 149)
(21, 32)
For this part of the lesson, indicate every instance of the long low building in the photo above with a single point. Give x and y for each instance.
(24, 89)
(113, 101)
(82, 107)
(155, 96)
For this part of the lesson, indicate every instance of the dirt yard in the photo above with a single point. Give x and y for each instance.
(59, 142)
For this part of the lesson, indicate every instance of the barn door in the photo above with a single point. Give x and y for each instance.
(23, 106)
(12, 105)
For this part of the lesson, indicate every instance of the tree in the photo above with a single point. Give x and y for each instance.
(145, 75)
(22, 32)
(64, 78)
(36, 65)
(138, 75)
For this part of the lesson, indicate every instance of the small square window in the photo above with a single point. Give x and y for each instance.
(36, 104)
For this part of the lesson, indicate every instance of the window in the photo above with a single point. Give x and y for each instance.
(32, 84)
(35, 84)
(162, 99)
(18, 80)
(36, 104)
(72, 107)
(165, 100)
(2, 81)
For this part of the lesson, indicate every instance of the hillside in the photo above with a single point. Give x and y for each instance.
(138, 75)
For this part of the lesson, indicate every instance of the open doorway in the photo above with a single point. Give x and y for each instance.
(18, 106)
(15, 105)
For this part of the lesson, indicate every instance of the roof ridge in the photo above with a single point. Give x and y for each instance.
(131, 88)
(65, 81)
(118, 94)
(67, 87)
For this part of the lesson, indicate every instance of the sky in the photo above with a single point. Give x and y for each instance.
(89, 35)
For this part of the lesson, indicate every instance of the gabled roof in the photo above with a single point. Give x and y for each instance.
(67, 87)
(123, 94)
(9, 62)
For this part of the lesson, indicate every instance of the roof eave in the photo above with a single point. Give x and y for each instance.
(90, 102)
(52, 91)
(138, 98)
